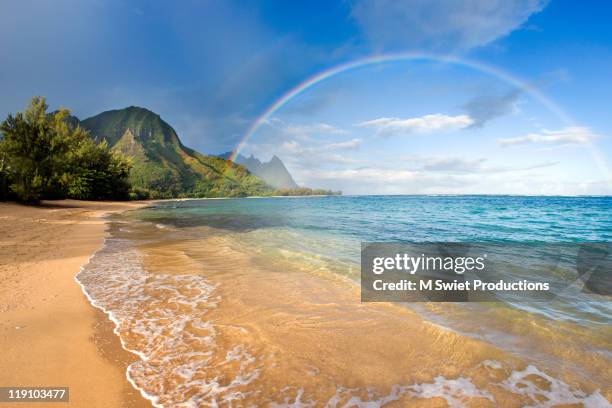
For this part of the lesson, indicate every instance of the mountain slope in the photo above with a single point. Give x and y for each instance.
(162, 165)
(273, 172)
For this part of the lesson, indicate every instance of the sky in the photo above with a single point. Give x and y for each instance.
(506, 96)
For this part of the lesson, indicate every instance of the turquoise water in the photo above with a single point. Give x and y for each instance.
(329, 230)
(408, 218)
(164, 308)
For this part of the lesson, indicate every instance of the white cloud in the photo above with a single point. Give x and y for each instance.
(567, 136)
(339, 159)
(295, 144)
(326, 128)
(441, 25)
(310, 156)
(421, 124)
(369, 174)
(292, 146)
(460, 165)
(384, 180)
(317, 128)
(352, 144)
(453, 164)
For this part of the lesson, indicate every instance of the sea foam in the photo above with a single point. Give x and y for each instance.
(162, 319)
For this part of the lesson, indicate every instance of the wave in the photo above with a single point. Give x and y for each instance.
(183, 360)
(161, 318)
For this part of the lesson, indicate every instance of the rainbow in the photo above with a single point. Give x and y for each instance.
(395, 57)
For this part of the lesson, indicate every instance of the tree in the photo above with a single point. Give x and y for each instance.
(46, 156)
(28, 149)
(4, 175)
(95, 172)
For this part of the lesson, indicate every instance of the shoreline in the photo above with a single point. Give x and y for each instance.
(50, 334)
(275, 320)
(107, 318)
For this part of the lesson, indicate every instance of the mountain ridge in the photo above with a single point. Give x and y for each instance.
(273, 172)
(162, 166)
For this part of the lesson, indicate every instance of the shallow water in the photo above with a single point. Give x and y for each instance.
(253, 302)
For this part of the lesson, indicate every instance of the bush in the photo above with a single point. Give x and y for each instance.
(44, 156)
(5, 192)
(138, 193)
(304, 191)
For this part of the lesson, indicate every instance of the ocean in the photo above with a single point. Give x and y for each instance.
(255, 302)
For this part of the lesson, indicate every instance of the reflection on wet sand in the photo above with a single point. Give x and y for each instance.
(293, 338)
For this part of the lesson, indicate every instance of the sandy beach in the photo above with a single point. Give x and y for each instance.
(222, 321)
(49, 334)
(216, 317)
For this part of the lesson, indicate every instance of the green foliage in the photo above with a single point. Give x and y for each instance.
(45, 156)
(137, 193)
(5, 192)
(162, 166)
(97, 173)
(27, 148)
(51, 155)
(304, 191)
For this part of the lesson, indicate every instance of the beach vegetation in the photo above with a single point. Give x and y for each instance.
(162, 166)
(304, 191)
(43, 156)
(129, 153)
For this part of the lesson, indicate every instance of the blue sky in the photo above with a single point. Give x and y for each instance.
(211, 68)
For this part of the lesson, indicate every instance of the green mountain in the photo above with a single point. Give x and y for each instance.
(162, 166)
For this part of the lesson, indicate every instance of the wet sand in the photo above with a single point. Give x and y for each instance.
(271, 333)
(307, 339)
(49, 334)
